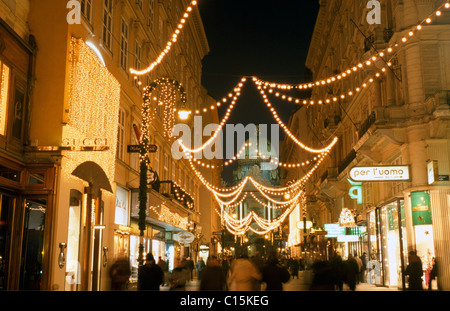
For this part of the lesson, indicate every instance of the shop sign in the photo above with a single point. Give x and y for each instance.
(380, 173)
(421, 208)
(85, 142)
(347, 218)
(334, 230)
(122, 207)
(432, 172)
(355, 191)
(184, 238)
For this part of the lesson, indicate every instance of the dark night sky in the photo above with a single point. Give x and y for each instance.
(268, 39)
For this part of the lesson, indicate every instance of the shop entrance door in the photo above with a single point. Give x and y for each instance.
(31, 269)
(6, 223)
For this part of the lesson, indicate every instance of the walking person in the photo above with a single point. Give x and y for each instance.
(352, 272)
(244, 276)
(150, 275)
(363, 268)
(120, 273)
(338, 268)
(213, 277)
(199, 267)
(414, 271)
(295, 266)
(433, 273)
(360, 264)
(274, 274)
(179, 276)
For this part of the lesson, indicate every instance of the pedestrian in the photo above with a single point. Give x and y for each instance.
(190, 267)
(225, 266)
(179, 276)
(212, 276)
(199, 267)
(120, 273)
(323, 276)
(351, 272)
(244, 276)
(150, 275)
(433, 273)
(258, 261)
(338, 268)
(414, 271)
(164, 267)
(294, 265)
(359, 262)
(363, 267)
(274, 274)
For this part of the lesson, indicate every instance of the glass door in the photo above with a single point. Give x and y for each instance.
(33, 245)
(6, 223)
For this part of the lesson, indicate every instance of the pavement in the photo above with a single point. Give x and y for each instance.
(299, 284)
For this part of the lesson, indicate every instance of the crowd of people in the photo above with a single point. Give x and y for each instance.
(257, 273)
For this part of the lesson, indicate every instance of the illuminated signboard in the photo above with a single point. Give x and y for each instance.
(380, 173)
(334, 230)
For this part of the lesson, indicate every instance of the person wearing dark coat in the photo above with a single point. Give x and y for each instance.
(150, 275)
(338, 268)
(323, 276)
(120, 274)
(433, 273)
(213, 277)
(274, 275)
(352, 272)
(414, 271)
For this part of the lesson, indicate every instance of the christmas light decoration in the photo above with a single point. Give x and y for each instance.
(93, 107)
(169, 43)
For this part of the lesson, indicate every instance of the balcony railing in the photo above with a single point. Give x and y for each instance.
(367, 124)
(346, 161)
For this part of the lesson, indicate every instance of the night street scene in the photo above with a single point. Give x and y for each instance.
(192, 149)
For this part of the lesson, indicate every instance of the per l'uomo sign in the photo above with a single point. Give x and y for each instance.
(380, 173)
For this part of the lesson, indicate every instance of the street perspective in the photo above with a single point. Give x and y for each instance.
(224, 154)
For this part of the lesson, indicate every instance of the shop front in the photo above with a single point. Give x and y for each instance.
(387, 245)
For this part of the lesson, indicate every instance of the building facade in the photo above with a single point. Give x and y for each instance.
(388, 110)
(71, 109)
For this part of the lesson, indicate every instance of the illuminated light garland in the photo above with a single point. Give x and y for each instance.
(299, 164)
(219, 129)
(290, 135)
(267, 205)
(332, 99)
(361, 65)
(169, 43)
(149, 109)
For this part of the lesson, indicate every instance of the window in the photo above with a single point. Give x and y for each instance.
(139, 3)
(134, 157)
(166, 167)
(124, 45)
(397, 187)
(121, 135)
(151, 14)
(86, 9)
(174, 171)
(161, 31)
(107, 24)
(4, 87)
(156, 161)
(137, 59)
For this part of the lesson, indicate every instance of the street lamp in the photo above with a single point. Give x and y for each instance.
(183, 113)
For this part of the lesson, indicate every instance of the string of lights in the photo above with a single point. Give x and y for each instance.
(169, 43)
